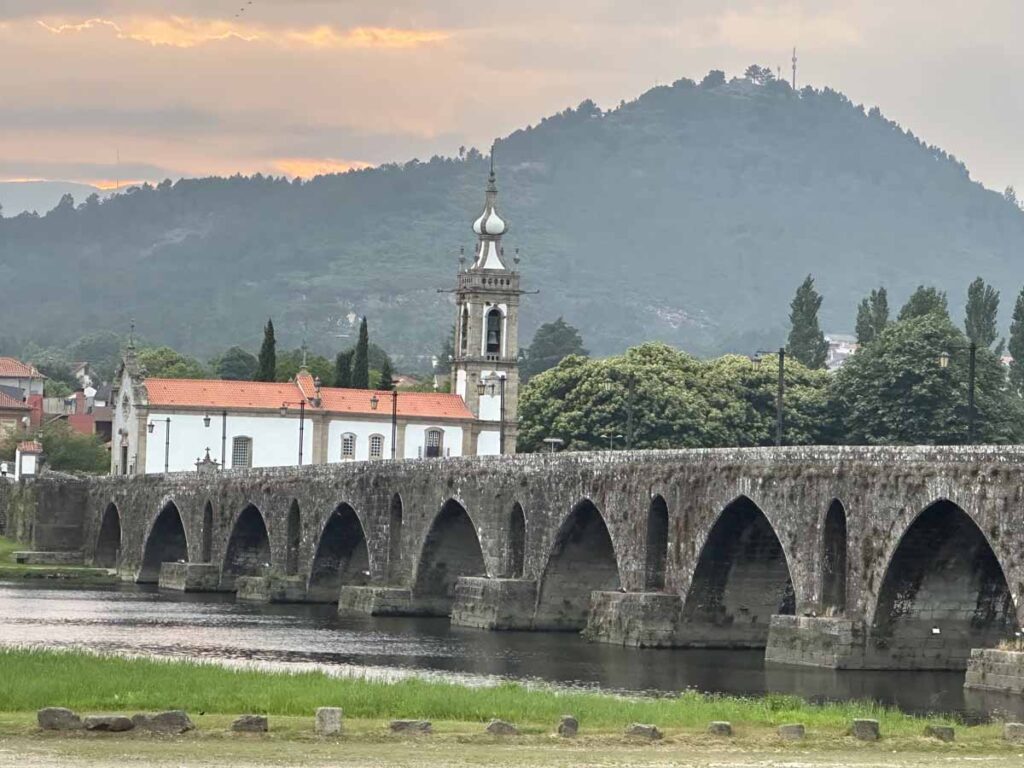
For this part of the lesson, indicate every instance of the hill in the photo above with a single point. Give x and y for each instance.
(40, 196)
(689, 215)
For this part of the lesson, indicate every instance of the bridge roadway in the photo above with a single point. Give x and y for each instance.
(845, 557)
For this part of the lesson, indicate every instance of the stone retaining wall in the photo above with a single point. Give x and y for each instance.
(992, 670)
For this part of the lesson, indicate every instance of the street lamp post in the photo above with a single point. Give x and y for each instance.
(972, 351)
(611, 440)
(374, 402)
(302, 421)
(780, 415)
(481, 389)
(167, 441)
(223, 434)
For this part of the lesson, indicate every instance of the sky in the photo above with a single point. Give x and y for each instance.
(118, 91)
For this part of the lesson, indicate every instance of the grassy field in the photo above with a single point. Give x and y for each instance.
(76, 574)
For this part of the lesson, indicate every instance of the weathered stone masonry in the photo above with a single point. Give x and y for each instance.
(867, 557)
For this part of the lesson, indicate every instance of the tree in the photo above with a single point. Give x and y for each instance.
(713, 79)
(343, 369)
(64, 449)
(895, 390)
(1016, 346)
(551, 344)
(924, 301)
(387, 379)
(759, 75)
(166, 363)
(266, 368)
(982, 313)
(806, 341)
(236, 365)
(290, 363)
(872, 316)
(361, 359)
(1010, 195)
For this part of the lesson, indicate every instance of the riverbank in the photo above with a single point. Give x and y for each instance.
(70, 575)
(32, 679)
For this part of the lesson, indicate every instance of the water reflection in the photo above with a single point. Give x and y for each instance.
(214, 627)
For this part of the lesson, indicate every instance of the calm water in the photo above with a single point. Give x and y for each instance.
(214, 627)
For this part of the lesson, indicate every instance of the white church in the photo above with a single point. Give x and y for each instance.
(180, 425)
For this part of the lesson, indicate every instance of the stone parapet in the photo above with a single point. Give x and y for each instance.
(989, 669)
(499, 604)
(375, 601)
(639, 619)
(190, 577)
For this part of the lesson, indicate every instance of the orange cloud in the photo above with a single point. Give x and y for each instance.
(308, 167)
(186, 32)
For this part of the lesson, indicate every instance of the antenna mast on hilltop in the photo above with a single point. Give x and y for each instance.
(794, 68)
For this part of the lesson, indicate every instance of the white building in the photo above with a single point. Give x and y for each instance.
(840, 347)
(16, 375)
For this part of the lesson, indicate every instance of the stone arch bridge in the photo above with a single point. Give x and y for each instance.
(837, 557)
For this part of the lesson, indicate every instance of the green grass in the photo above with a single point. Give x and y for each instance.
(30, 679)
(77, 574)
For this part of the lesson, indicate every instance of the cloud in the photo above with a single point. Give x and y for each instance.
(763, 28)
(190, 32)
(308, 167)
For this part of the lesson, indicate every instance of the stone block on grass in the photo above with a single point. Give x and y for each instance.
(643, 731)
(720, 728)
(109, 723)
(328, 721)
(865, 730)
(250, 724)
(58, 719)
(1014, 732)
(501, 728)
(171, 721)
(940, 732)
(410, 726)
(792, 732)
(568, 726)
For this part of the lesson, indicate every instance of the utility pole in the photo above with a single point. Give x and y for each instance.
(971, 420)
(794, 68)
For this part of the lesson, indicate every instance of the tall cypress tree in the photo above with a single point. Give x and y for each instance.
(343, 369)
(1016, 346)
(982, 311)
(872, 316)
(806, 341)
(267, 368)
(387, 378)
(361, 359)
(925, 301)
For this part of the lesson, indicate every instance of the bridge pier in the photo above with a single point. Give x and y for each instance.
(638, 619)
(497, 604)
(190, 577)
(817, 641)
(376, 601)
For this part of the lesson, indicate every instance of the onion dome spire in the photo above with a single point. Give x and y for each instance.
(489, 228)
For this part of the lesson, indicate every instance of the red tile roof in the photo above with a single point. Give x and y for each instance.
(30, 446)
(256, 395)
(8, 403)
(12, 368)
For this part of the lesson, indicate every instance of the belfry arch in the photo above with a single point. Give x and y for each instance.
(451, 549)
(944, 592)
(582, 561)
(341, 559)
(741, 580)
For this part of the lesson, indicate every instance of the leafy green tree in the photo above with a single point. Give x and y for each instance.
(925, 300)
(56, 388)
(1016, 346)
(806, 341)
(872, 316)
(64, 449)
(982, 313)
(266, 369)
(551, 344)
(236, 364)
(166, 363)
(290, 363)
(361, 359)
(387, 379)
(343, 369)
(896, 390)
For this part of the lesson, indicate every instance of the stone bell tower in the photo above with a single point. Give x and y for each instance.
(485, 369)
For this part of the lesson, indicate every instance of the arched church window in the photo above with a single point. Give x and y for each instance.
(376, 447)
(434, 443)
(494, 332)
(348, 447)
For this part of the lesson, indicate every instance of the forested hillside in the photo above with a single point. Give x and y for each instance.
(688, 215)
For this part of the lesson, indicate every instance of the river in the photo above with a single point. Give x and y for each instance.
(140, 620)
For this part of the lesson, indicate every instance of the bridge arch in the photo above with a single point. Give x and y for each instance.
(248, 549)
(166, 542)
(341, 558)
(582, 560)
(516, 542)
(108, 541)
(943, 593)
(450, 549)
(741, 579)
(834, 560)
(656, 550)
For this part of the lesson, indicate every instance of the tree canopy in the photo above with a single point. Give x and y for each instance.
(806, 340)
(166, 363)
(551, 343)
(925, 300)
